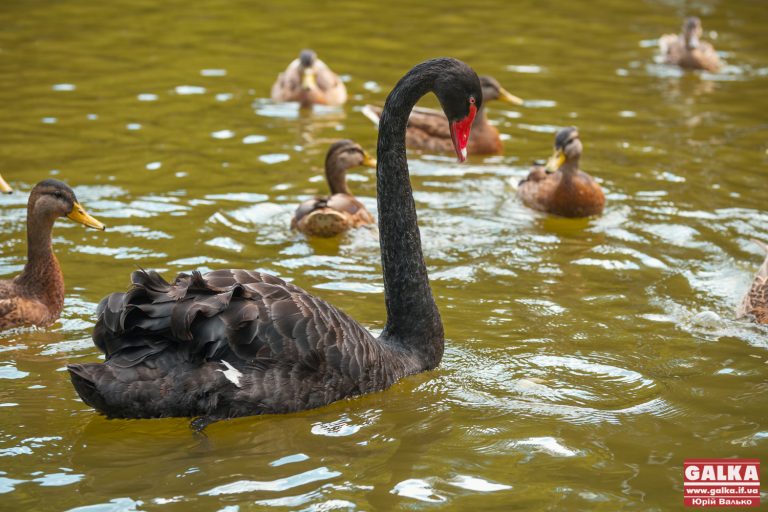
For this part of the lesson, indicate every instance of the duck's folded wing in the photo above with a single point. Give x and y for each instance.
(248, 314)
(430, 121)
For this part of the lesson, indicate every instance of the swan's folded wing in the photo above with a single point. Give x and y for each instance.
(248, 314)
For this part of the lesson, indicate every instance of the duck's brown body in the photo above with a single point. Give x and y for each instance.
(687, 51)
(331, 216)
(341, 211)
(428, 129)
(755, 302)
(36, 296)
(566, 191)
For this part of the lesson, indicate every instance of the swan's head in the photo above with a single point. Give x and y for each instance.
(492, 90)
(346, 154)
(5, 187)
(567, 147)
(53, 198)
(692, 32)
(307, 59)
(460, 94)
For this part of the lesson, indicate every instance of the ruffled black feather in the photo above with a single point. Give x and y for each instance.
(165, 344)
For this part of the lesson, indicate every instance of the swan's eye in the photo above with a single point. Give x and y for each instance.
(471, 100)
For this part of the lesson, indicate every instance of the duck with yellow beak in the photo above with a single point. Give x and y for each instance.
(36, 296)
(341, 211)
(309, 81)
(562, 188)
(428, 128)
(5, 188)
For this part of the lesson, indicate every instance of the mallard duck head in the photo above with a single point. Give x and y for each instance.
(52, 199)
(346, 154)
(567, 148)
(492, 90)
(307, 59)
(692, 32)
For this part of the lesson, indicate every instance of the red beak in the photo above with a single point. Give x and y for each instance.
(460, 133)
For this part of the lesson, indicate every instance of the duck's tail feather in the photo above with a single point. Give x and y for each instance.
(763, 272)
(372, 113)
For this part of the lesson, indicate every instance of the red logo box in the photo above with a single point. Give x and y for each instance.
(721, 482)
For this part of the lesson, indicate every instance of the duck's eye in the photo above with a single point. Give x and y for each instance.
(471, 100)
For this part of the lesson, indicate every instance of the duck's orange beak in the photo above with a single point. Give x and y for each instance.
(368, 160)
(5, 187)
(78, 214)
(460, 133)
(556, 160)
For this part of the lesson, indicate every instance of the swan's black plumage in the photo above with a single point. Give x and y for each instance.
(234, 342)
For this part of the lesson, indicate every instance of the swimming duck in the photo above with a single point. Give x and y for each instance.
(687, 50)
(5, 187)
(332, 215)
(755, 302)
(36, 296)
(237, 342)
(428, 128)
(309, 81)
(561, 188)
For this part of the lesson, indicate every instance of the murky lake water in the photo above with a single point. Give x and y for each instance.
(585, 359)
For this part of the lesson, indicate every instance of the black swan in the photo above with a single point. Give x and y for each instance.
(36, 296)
(235, 342)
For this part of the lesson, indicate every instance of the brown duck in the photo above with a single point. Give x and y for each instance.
(332, 215)
(561, 188)
(309, 81)
(5, 187)
(687, 50)
(428, 129)
(36, 296)
(755, 302)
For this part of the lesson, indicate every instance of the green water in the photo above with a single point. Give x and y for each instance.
(585, 360)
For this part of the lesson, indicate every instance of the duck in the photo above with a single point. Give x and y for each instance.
(687, 50)
(5, 188)
(755, 302)
(428, 128)
(233, 342)
(36, 296)
(560, 187)
(332, 215)
(309, 81)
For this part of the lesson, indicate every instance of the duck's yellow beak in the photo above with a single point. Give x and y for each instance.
(308, 81)
(4, 187)
(556, 160)
(368, 160)
(505, 95)
(78, 214)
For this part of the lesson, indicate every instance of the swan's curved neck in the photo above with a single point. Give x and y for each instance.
(412, 316)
